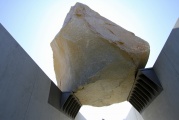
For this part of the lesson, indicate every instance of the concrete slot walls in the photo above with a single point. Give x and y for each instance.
(166, 67)
(24, 87)
(165, 106)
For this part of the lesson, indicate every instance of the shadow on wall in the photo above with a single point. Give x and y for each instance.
(79, 116)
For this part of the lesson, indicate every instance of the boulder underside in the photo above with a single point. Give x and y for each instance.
(95, 58)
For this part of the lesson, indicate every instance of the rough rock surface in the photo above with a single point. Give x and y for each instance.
(96, 58)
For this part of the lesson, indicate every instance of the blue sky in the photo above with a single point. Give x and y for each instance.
(34, 23)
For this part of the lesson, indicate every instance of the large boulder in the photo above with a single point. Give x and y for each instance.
(95, 58)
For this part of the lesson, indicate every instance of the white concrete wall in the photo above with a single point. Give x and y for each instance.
(24, 87)
(133, 115)
(166, 105)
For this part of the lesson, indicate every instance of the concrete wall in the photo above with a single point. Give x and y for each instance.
(134, 115)
(24, 87)
(166, 105)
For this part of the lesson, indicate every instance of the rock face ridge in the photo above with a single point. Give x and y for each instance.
(96, 58)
